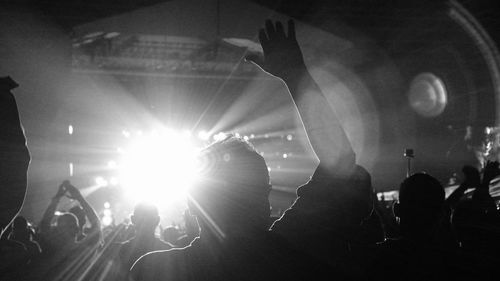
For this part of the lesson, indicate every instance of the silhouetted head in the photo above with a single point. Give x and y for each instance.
(80, 215)
(421, 199)
(67, 225)
(145, 218)
(20, 228)
(20, 223)
(234, 189)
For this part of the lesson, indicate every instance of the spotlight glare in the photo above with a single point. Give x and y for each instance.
(204, 135)
(107, 221)
(113, 181)
(112, 164)
(186, 134)
(158, 168)
(219, 136)
(101, 182)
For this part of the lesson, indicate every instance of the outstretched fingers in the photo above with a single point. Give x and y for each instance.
(280, 31)
(263, 38)
(270, 29)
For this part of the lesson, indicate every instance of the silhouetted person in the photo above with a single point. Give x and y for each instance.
(192, 230)
(117, 258)
(477, 224)
(21, 232)
(331, 206)
(14, 258)
(14, 161)
(232, 208)
(14, 156)
(63, 257)
(468, 150)
(420, 253)
(420, 208)
(145, 220)
(471, 179)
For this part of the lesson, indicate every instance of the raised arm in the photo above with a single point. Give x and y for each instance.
(49, 212)
(14, 156)
(283, 59)
(95, 229)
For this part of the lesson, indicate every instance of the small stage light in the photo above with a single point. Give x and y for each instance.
(107, 212)
(219, 136)
(107, 221)
(101, 182)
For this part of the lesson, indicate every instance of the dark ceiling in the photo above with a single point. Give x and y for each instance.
(375, 17)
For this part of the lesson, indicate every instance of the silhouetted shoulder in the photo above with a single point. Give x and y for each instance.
(162, 265)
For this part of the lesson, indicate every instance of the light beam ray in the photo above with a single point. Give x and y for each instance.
(209, 221)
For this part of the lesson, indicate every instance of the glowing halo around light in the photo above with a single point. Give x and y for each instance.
(427, 95)
(158, 168)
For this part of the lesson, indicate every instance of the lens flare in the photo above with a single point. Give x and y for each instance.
(158, 168)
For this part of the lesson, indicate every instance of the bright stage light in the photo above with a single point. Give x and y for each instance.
(112, 164)
(204, 135)
(219, 136)
(107, 221)
(101, 182)
(158, 168)
(114, 181)
(107, 212)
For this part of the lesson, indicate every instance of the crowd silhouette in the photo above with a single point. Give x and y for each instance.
(334, 230)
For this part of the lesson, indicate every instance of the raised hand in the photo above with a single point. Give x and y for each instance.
(282, 55)
(192, 228)
(61, 191)
(74, 193)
